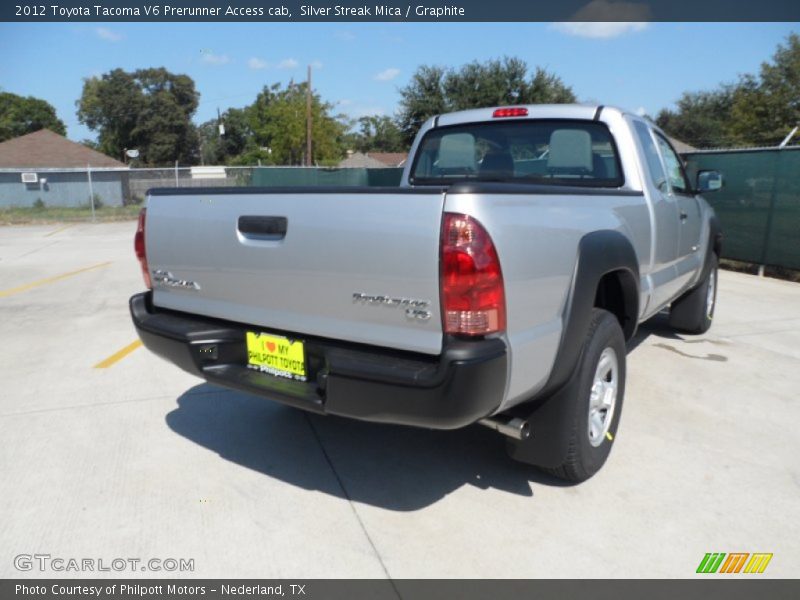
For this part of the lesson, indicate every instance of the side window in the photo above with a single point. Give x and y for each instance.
(677, 179)
(657, 174)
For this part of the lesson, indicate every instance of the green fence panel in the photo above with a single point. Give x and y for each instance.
(384, 177)
(299, 176)
(783, 243)
(759, 205)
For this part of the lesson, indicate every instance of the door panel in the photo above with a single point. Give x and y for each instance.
(688, 215)
(689, 258)
(666, 232)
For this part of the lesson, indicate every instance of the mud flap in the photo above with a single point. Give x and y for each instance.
(552, 422)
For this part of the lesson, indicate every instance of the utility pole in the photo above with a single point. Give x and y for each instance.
(309, 161)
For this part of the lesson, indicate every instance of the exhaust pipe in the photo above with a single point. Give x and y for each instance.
(513, 427)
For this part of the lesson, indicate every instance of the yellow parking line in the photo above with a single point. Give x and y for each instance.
(34, 284)
(119, 355)
(59, 230)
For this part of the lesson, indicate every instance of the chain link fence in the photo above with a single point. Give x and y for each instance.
(97, 189)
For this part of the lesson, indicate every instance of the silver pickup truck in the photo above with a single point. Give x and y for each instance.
(497, 285)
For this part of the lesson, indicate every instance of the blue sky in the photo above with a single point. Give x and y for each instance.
(361, 66)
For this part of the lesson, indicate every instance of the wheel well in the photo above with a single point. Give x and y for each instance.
(617, 293)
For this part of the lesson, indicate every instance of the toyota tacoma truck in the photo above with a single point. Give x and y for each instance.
(498, 284)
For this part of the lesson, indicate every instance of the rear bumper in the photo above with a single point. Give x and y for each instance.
(459, 387)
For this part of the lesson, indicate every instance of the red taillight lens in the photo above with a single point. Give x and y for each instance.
(138, 247)
(472, 293)
(514, 111)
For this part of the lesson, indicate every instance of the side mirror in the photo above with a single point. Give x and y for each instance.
(708, 181)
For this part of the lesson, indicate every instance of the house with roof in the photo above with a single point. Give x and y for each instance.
(46, 166)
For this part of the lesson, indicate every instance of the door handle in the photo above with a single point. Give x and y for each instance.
(263, 228)
(684, 216)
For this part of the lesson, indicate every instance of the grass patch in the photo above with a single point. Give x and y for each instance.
(56, 214)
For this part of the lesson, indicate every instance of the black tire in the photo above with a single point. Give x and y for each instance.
(583, 456)
(694, 311)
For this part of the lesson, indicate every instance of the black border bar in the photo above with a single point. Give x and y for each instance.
(709, 587)
(400, 10)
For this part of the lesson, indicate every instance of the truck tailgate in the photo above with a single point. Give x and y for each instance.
(294, 261)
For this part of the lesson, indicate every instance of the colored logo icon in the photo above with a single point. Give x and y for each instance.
(734, 562)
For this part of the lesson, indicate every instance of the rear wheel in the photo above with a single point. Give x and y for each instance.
(592, 403)
(694, 311)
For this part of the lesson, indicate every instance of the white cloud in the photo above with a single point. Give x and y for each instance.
(257, 64)
(345, 102)
(600, 29)
(641, 111)
(106, 34)
(288, 63)
(316, 64)
(603, 19)
(345, 36)
(387, 74)
(215, 59)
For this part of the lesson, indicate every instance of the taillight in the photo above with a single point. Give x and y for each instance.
(472, 293)
(513, 111)
(139, 248)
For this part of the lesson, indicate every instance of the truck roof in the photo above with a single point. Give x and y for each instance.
(535, 111)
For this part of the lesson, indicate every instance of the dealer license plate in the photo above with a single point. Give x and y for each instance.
(276, 355)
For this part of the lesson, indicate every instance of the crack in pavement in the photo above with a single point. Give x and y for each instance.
(350, 502)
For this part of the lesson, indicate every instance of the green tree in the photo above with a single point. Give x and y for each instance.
(378, 134)
(766, 107)
(20, 115)
(757, 110)
(223, 148)
(277, 120)
(147, 109)
(421, 99)
(434, 90)
(701, 118)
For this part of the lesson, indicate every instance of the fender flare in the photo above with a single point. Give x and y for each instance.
(715, 234)
(552, 409)
(599, 253)
(714, 243)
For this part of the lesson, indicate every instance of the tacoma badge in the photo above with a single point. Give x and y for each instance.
(415, 309)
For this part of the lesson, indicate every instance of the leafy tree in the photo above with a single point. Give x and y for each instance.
(277, 120)
(20, 115)
(701, 118)
(223, 148)
(421, 99)
(378, 134)
(766, 107)
(434, 90)
(548, 88)
(758, 110)
(147, 109)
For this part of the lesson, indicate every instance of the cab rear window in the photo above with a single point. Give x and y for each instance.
(541, 151)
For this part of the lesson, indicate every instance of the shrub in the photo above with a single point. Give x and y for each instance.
(39, 204)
